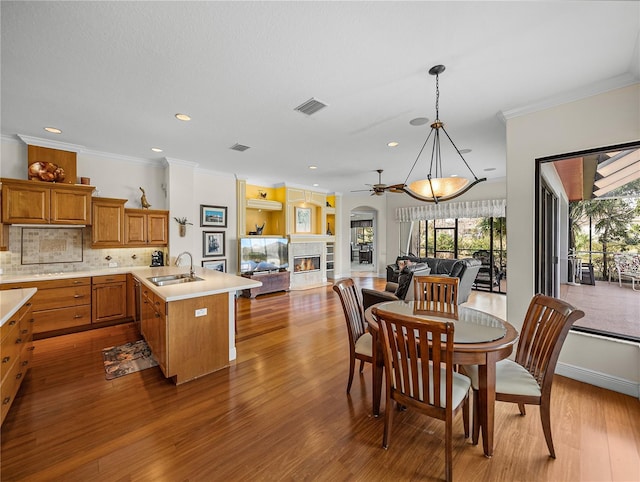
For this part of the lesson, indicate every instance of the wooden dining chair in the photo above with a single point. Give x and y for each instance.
(419, 373)
(437, 293)
(528, 379)
(360, 341)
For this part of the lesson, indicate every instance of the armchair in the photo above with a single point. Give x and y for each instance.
(403, 290)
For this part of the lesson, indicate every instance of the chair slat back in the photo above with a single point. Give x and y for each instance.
(439, 292)
(545, 328)
(351, 300)
(414, 352)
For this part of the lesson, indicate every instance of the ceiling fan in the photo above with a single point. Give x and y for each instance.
(379, 188)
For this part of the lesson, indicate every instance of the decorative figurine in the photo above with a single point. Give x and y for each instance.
(263, 195)
(143, 200)
(260, 228)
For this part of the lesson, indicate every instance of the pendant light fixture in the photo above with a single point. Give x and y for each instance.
(436, 187)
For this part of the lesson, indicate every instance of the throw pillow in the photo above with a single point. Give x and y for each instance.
(401, 264)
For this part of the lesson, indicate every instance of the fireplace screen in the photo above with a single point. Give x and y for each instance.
(303, 264)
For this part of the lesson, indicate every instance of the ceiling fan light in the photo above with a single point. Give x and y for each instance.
(442, 187)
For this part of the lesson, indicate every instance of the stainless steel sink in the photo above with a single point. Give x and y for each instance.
(173, 279)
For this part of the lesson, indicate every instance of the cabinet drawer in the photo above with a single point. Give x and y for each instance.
(159, 304)
(11, 325)
(11, 348)
(114, 278)
(61, 297)
(44, 285)
(10, 386)
(49, 320)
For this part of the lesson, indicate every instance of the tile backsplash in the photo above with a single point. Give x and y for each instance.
(60, 250)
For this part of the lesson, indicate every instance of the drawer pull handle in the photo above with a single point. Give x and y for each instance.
(29, 304)
(76, 282)
(78, 296)
(78, 316)
(31, 348)
(18, 341)
(12, 322)
(32, 320)
(24, 332)
(6, 359)
(25, 363)
(19, 376)
(157, 315)
(6, 400)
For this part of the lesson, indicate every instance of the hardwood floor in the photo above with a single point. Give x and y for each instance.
(280, 412)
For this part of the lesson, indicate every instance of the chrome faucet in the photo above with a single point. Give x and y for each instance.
(191, 272)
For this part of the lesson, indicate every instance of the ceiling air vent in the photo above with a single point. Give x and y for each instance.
(239, 147)
(311, 106)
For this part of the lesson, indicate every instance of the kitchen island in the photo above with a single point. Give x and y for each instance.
(190, 326)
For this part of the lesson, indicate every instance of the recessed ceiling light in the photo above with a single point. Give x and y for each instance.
(313, 167)
(53, 130)
(183, 117)
(488, 169)
(315, 184)
(393, 144)
(418, 121)
(454, 175)
(156, 149)
(464, 151)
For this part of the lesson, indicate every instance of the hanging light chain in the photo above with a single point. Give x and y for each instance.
(437, 97)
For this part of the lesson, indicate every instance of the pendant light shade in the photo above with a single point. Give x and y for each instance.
(436, 187)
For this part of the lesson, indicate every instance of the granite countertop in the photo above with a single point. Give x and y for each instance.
(12, 300)
(213, 282)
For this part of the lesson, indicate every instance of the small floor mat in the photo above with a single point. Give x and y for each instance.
(128, 358)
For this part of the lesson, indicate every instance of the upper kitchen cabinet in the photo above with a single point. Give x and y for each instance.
(107, 230)
(35, 202)
(146, 227)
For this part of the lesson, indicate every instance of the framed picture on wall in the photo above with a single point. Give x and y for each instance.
(212, 243)
(213, 216)
(303, 220)
(216, 265)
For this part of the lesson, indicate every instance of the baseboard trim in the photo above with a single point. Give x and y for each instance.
(598, 379)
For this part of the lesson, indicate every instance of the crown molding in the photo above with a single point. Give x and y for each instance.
(170, 161)
(607, 85)
(121, 157)
(40, 142)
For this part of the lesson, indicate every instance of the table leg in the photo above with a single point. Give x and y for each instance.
(377, 369)
(487, 400)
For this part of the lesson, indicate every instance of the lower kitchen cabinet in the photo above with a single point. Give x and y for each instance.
(16, 346)
(59, 304)
(108, 297)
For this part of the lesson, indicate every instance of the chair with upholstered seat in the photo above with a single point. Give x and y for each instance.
(360, 342)
(528, 379)
(419, 372)
(437, 293)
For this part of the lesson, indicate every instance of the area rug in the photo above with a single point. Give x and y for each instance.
(128, 358)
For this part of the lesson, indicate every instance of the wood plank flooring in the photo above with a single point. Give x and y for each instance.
(280, 412)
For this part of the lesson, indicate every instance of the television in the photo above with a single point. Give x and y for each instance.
(263, 254)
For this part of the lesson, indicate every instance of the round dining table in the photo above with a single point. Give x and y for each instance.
(480, 338)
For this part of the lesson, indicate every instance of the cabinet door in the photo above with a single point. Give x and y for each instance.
(109, 298)
(70, 206)
(26, 203)
(158, 229)
(135, 228)
(107, 229)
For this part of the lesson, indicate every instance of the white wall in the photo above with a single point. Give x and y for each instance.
(598, 121)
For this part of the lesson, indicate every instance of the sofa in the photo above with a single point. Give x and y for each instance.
(465, 269)
(403, 290)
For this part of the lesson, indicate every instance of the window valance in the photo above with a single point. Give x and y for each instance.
(489, 208)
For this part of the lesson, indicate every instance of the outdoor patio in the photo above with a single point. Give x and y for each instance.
(607, 306)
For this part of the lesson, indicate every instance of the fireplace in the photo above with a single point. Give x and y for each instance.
(304, 264)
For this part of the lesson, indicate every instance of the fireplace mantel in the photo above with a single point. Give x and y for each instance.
(311, 238)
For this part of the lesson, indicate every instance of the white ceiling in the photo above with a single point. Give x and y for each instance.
(112, 75)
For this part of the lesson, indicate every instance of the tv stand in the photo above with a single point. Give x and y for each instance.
(271, 282)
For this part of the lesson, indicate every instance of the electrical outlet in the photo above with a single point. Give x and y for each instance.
(201, 312)
(113, 264)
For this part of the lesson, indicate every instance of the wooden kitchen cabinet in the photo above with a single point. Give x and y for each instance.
(58, 304)
(34, 202)
(107, 229)
(153, 326)
(16, 347)
(144, 227)
(108, 297)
